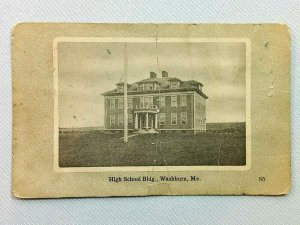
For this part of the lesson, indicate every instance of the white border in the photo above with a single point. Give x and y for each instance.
(152, 168)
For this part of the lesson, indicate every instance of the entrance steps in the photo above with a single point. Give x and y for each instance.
(144, 131)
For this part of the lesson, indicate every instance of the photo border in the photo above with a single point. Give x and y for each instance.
(152, 168)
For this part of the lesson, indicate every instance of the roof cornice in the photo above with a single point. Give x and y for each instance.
(157, 92)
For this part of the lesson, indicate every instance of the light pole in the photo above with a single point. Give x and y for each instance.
(125, 94)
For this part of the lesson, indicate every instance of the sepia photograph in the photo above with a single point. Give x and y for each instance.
(151, 109)
(151, 102)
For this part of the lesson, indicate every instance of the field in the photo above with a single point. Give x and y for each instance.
(87, 148)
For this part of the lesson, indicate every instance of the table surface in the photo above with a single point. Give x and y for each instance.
(147, 210)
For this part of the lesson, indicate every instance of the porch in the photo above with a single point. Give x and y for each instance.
(146, 117)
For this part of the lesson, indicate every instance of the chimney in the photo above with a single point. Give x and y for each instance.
(153, 75)
(164, 74)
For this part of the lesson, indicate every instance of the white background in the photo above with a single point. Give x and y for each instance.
(147, 210)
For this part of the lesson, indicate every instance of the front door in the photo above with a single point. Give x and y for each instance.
(151, 121)
(142, 121)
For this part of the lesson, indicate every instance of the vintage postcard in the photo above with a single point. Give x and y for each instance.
(150, 109)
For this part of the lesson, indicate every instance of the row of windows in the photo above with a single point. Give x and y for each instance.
(147, 86)
(118, 119)
(154, 86)
(119, 103)
(174, 101)
(183, 118)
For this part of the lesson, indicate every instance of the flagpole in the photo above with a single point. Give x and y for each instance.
(125, 94)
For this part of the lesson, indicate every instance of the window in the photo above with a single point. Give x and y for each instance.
(120, 103)
(162, 101)
(140, 87)
(200, 87)
(173, 118)
(183, 100)
(130, 103)
(120, 88)
(183, 118)
(151, 86)
(112, 104)
(198, 119)
(174, 85)
(148, 101)
(142, 101)
(146, 86)
(120, 119)
(174, 101)
(112, 120)
(130, 119)
(162, 118)
(198, 105)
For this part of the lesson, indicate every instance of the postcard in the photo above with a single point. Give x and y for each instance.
(150, 109)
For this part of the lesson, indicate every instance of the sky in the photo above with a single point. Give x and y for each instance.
(88, 69)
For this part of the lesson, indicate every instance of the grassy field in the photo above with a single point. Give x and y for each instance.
(98, 148)
(225, 126)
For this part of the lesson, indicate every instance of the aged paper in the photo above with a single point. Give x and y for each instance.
(150, 109)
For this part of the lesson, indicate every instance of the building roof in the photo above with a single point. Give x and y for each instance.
(149, 80)
(164, 87)
(193, 82)
(174, 79)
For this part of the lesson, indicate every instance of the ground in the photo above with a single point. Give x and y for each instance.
(102, 149)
